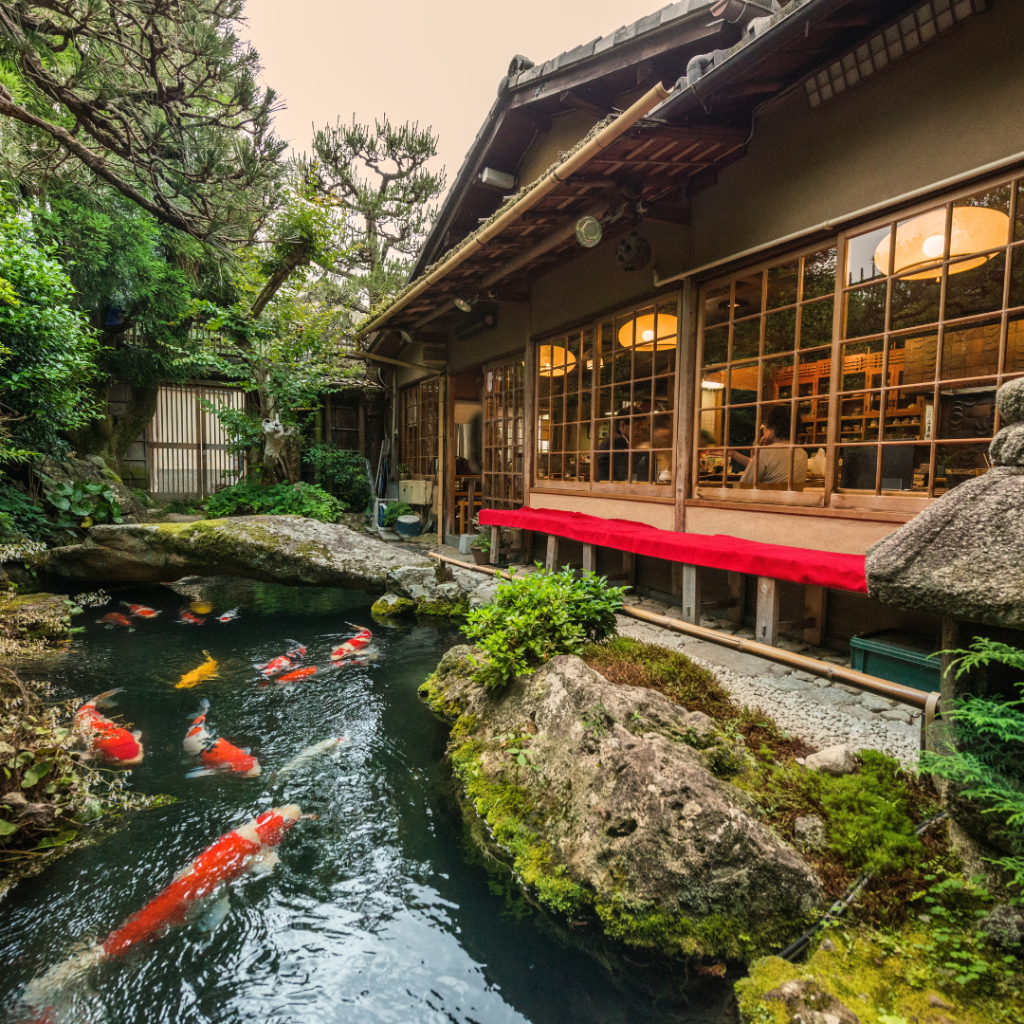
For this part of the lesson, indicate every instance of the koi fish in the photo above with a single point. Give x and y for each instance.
(141, 611)
(249, 847)
(189, 618)
(282, 662)
(305, 755)
(349, 647)
(116, 619)
(217, 754)
(104, 737)
(197, 675)
(228, 616)
(299, 673)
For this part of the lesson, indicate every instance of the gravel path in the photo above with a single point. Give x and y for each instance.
(820, 712)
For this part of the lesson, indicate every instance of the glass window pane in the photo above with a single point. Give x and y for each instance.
(1015, 345)
(746, 338)
(711, 469)
(604, 402)
(967, 412)
(816, 323)
(975, 285)
(905, 468)
(858, 468)
(981, 221)
(716, 346)
(819, 273)
(915, 301)
(955, 463)
(747, 299)
(907, 414)
(865, 311)
(665, 361)
(972, 350)
(780, 331)
(860, 256)
(777, 379)
(712, 424)
(742, 384)
(782, 283)
(862, 365)
(912, 357)
(742, 425)
(664, 394)
(717, 304)
(1016, 296)
(1018, 228)
(859, 416)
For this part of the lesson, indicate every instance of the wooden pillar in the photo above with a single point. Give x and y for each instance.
(551, 563)
(362, 425)
(529, 420)
(589, 558)
(528, 547)
(691, 594)
(629, 567)
(767, 611)
(816, 608)
(495, 545)
(441, 418)
(737, 584)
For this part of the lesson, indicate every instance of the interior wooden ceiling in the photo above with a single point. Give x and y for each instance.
(662, 158)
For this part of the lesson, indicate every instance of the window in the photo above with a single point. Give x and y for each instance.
(888, 374)
(766, 377)
(606, 403)
(503, 436)
(419, 427)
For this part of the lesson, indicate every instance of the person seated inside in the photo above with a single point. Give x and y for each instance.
(614, 466)
(773, 458)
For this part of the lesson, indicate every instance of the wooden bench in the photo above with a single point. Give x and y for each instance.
(773, 564)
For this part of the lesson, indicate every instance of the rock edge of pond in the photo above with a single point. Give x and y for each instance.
(289, 550)
(612, 819)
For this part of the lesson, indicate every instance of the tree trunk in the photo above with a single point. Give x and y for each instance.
(110, 436)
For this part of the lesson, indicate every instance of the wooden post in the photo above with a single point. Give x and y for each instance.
(551, 563)
(815, 607)
(529, 420)
(495, 544)
(629, 567)
(691, 594)
(589, 558)
(737, 584)
(362, 426)
(441, 417)
(767, 611)
(528, 547)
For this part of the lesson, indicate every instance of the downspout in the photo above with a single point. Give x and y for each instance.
(564, 170)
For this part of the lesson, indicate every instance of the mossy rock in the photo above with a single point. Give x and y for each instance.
(391, 607)
(442, 607)
(35, 618)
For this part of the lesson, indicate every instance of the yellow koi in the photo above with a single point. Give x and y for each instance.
(197, 675)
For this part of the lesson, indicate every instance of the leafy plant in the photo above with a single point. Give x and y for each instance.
(20, 516)
(482, 541)
(394, 510)
(344, 473)
(539, 615)
(402, 469)
(89, 502)
(307, 500)
(990, 762)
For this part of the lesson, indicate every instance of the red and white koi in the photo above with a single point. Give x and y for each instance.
(141, 611)
(104, 737)
(228, 616)
(214, 753)
(299, 673)
(251, 846)
(187, 617)
(283, 662)
(359, 642)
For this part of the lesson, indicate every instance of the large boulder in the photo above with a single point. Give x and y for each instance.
(93, 470)
(961, 556)
(602, 796)
(277, 549)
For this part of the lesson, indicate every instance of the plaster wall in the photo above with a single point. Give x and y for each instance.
(510, 335)
(952, 107)
(566, 130)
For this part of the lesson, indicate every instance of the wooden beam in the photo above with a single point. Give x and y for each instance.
(691, 594)
(551, 562)
(768, 591)
(815, 609)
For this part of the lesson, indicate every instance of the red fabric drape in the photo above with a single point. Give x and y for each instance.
(718, 551)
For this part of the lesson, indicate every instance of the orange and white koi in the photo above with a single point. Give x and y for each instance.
(197, 675)
(104, 737)
(189, 618)
(228, 616)
(248, 847)
(141, 611)
(214, 753)
(115, 619)
(361, 640)
(299, 673)
(283, 662)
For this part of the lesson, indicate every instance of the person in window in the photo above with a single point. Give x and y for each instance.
(614, 466)
(773, 459)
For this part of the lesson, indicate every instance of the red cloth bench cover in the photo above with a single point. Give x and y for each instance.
(717, 551)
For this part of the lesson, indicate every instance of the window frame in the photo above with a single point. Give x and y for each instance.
(512, 417)
(415, 460)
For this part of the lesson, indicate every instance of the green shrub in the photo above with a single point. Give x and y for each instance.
(394, 510)
(990, 762)
(20, 516)
(82, 503)
(343, 473)
(243, 499)
(539, 615)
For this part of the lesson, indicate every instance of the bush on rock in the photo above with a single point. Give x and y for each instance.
(245, 499)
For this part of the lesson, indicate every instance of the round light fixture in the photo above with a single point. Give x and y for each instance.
(554, 361)
(922, 241)
(633, 252)
(464, 304)
(588, 231)
(646, 330)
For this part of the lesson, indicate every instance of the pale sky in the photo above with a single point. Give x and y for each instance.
(437, 62)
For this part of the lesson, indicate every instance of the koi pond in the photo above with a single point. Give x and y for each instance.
(379, 910)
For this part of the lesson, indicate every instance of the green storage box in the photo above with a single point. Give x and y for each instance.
(898, 657)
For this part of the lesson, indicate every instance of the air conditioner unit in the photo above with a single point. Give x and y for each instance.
(435, 354)
(415, 492)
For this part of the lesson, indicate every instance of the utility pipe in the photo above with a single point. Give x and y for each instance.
(834, 222)
(566, 231)
(919, 699)
(552, 180)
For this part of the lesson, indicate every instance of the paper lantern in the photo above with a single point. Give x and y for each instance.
(645, 333)
(554, 361)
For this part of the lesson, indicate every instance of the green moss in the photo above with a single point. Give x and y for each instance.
(388, 607)
(109, 474)
(442, 608)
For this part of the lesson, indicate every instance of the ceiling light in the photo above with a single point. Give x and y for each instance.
(588, 231)
(464, 304)
(650, 336)
(554, 361)
(712, 385)
(922, 240)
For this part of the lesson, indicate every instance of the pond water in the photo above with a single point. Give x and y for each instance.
(378, 911)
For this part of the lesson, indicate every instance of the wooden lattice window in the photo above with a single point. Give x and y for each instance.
(419, 427)
(502, 485)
